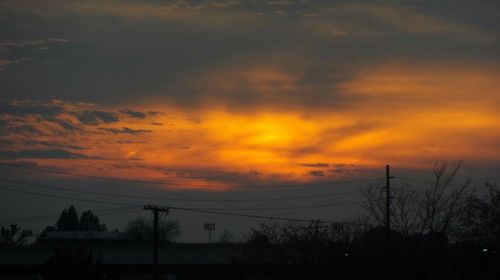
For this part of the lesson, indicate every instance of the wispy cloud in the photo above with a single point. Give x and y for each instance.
(94, 117)
(44, 154)
(125, 130)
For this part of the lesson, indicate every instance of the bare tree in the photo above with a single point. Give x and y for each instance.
(432, 209)
(297, 243)
(139, 228)
(142, 229)
(423, 218)
(480, 223)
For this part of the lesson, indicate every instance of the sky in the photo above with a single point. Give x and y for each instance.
(196, 99)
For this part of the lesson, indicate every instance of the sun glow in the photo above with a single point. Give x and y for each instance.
(400, 115)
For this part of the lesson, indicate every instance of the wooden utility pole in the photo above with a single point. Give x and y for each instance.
(210, 227)
(388, 200)
(388, 236)
(156, 240)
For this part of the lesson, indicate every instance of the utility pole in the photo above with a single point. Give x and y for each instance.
(156, 240)
(388, 236)
(388, 200)
(210, 227)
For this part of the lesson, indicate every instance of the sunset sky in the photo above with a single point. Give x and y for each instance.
(206, 96)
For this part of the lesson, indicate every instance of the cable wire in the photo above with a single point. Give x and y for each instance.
(67, 197)
(183, 209)
(257, 216)
(425, 181)
(187, 185)
(176, 199)
(47, 218)
(53, 215)
(285, 208)
(200, 209)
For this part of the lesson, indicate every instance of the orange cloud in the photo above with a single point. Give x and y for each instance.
(407, 116)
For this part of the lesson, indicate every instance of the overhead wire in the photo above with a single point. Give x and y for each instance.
(54, 217)
(199, 210)
(204, 209)
(187, 185)
(257, 216)
(176, 199)
(285, 208)
(67, 197)
(424, 181)
(182, 208)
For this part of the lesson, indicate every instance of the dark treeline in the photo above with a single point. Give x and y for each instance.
(444, 230)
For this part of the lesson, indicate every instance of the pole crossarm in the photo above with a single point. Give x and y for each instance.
(157, 208)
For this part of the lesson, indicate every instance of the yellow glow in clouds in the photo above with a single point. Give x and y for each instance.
(408, 116)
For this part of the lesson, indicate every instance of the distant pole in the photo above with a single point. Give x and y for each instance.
(388, 200)
(156, 235)
(388, 221)
(209, 227)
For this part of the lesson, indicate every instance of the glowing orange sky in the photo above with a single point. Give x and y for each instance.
(408, 116)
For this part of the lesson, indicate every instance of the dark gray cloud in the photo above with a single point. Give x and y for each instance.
(13, 52)
(318, 173)
(337, 168)
(94, 117)
(319, 164)
(131, 141)
(134, 114)
(43, 154)
(7, 129)
(158, 55)
(66, 124)
(24, 108)
(125, 130)
(52, 144)
(6, 142)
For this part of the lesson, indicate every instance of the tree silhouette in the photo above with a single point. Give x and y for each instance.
(12, 236)
(142, 229)
(90, 222)
(78, 264)
(225, 237)
(68, 220)
(481, 220)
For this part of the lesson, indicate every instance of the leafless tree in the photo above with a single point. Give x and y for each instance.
(423, 217)
(480, 223)
(142, 229)
(423, 209)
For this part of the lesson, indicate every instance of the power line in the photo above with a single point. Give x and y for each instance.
(54, 214)
(176, 208)
(256, 216)
(188, 185)
(207, 209)
(67, 197)
(176, 199)
(285, 208)
(425, 181)
(53, 217)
